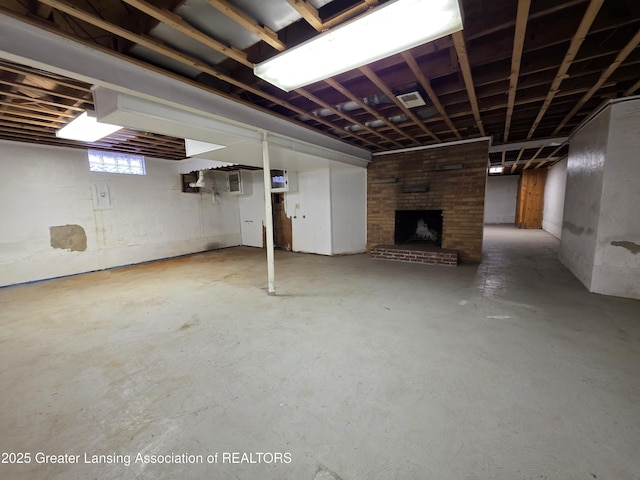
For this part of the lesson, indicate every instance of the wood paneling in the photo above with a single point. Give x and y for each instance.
(530, 199)
(282, 227)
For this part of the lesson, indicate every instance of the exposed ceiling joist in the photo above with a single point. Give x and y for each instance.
(375, 79)
(242, 19)
(426, 84)
(463, 59)
(178, 56)
(354, 11)
(550, 156)
(515, 164)
(546, 142)
(308, 12)
(624, 53)
(518, 45)
(36, 108)
(60, 82)
(42, 91)
(337, 112)
(524, 49)
(633, 89)
(40, 101)
(538, 152)
(340, 88)
(576, 41)
(176, 22)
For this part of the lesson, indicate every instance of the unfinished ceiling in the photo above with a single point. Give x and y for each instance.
(522, 72)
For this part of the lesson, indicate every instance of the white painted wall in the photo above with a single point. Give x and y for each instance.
(252, 208)
(149, 218)
(585, 171)
(348, 210)
(600, 240)
(327, 210)
(310, 212)
(500, 199)
(554, 191)
(617, 256)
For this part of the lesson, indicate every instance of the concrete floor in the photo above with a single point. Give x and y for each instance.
(359, 369)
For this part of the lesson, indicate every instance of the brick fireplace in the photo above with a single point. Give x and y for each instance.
(448, 181)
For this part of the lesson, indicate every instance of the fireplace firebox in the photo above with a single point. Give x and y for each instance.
(418, 227)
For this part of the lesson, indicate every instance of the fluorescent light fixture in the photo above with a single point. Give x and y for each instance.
(392, 28)
(493, 170)
(86, 128)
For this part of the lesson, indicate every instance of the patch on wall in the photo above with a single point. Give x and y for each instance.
(68, 237)
(632, 247)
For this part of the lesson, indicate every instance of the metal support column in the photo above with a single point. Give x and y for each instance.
(268, 213)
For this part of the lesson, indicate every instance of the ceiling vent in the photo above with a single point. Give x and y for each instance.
(411, 99)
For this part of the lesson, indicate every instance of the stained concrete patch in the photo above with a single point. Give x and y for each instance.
(576, 230)
(69, 237)
(632, 247)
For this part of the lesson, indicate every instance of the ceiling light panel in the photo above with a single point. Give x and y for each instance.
(86, 128)
(392, 28)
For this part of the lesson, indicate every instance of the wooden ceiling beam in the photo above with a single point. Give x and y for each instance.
(242, 19)
(352, 12)
(335, 111)
(631, 90)
(12, 111)
(426, 84)
(620, 58)
(516, 58)
(180, 57)
(176, 22)
(340, 88)
(308, 12)
(513, 167)
(41, 91)
(151, 138)
(526, 165)
(377, 81)
(38, 109)
(550, 156)
(463, 59)
(20, 121)
(576, 41)
(504, 20)
(44, 102)
(33, 73)
(127, 135)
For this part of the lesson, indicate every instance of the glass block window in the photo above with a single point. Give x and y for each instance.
(115, 162)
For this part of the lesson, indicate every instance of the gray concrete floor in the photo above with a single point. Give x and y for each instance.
(359, 369)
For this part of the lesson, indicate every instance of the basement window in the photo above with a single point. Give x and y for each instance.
(116, 162)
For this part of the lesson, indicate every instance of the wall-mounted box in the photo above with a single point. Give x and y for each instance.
(240, 182)
(284, 181)
(234, 183)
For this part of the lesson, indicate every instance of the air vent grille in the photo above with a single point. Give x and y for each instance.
(411, 99)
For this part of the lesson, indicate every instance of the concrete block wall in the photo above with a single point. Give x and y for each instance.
(454, 177)
(500, 199)
(600, 240)
(46, 189)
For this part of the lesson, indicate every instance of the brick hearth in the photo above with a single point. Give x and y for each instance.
(416, 254)
(450, 178)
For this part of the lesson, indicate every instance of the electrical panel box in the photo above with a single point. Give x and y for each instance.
(234, 183)
(283, 181)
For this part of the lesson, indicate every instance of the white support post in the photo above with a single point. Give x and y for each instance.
(268, 213)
